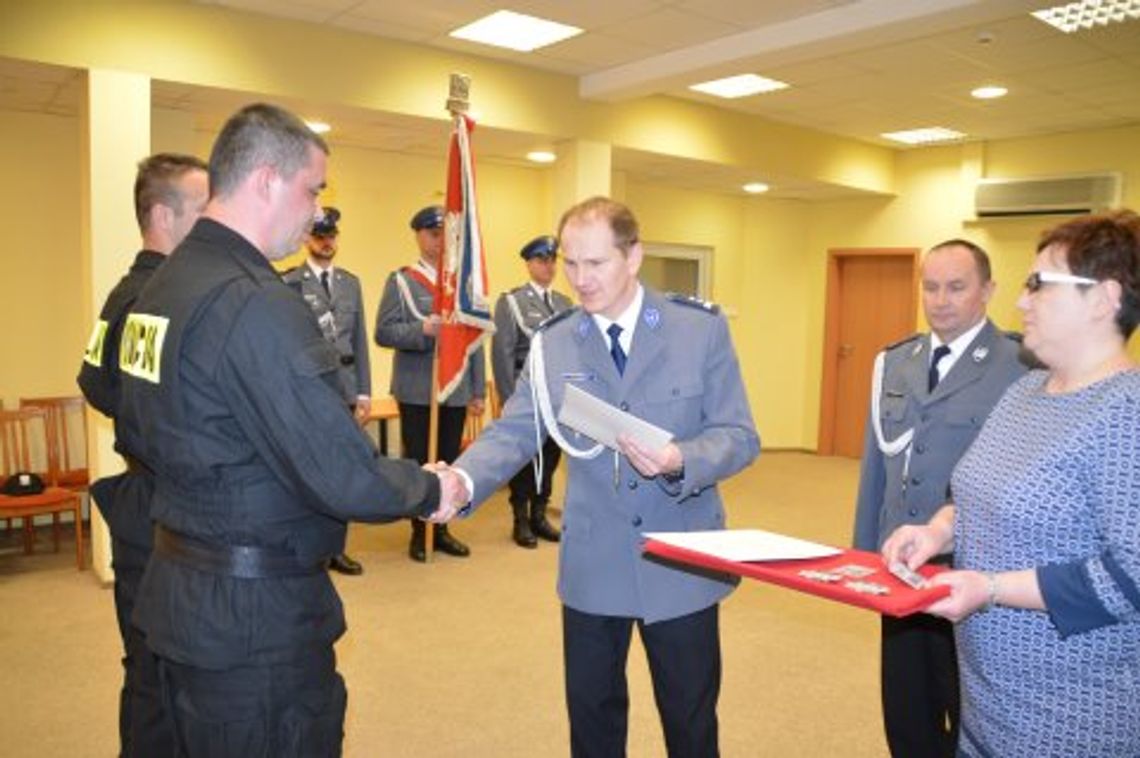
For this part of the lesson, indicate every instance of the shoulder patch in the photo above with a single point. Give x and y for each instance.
(140, 347)
(552, 320)
(692, 302)
(900, 343)
(94, 352)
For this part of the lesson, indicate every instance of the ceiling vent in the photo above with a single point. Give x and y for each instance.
(1041, 196)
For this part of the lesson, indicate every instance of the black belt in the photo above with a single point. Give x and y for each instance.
(241, 561)
(347, 360)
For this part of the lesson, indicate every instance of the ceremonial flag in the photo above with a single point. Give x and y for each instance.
(461, 300)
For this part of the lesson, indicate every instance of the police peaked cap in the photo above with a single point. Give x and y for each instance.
(540, 247)
(325, 226)
(430, 217)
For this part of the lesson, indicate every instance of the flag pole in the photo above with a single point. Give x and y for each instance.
(458, 103)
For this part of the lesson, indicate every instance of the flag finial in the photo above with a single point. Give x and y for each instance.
(459, 94)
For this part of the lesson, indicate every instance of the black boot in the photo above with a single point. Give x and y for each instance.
(539, 525)
(345, 565)
(445, 543)
(416, 547)
(521, 533)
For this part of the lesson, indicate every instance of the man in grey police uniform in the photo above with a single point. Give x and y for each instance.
(334, 296)
(517, 314)
(230, 396)
(930, 396)
(405, 323)
(170, 193)
(670, 361)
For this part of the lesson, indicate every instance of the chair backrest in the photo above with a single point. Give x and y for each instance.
(66, 438)
(24, 442)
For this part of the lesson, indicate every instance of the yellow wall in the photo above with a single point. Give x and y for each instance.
(44, 324)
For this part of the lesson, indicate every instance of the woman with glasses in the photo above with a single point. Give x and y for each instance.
(1045, 523)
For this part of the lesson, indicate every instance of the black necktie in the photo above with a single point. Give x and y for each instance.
(546, 299)
(615, 347)
(940, 352)
(325, 282)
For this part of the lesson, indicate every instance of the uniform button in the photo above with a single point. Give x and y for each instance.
(920, 449)
(637, 520)
(925, 417)
(633, 484)
(913, 511)
(625, 406)
(915, 481)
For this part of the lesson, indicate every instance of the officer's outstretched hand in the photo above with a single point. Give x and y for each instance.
(453, 493)
(651, 463)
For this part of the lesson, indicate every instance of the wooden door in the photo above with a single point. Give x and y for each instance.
(871, 302)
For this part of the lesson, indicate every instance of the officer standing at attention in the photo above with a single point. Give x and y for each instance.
(170, 193)
(517, 314)
(334, 296)
(670, 361)
(405, 323)
(930, 395)
(231, 396)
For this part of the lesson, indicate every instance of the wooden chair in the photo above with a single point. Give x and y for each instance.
(24, 448)
(67, 440)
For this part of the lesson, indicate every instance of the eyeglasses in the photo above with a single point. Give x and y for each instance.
(1039, 279)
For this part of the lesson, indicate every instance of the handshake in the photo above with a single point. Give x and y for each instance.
(454, 492)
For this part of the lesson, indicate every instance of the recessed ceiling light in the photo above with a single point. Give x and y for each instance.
(989, 92)
(739, 86)
(541, 156)
(318, 127)
(923, 136)
(755, 188)
(1073, 17)
(515, 31)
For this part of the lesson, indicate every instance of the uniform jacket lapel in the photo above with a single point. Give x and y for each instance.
(971, 365)
(648, 340)
(593, 351)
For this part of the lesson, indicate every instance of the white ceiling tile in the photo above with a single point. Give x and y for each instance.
(751, 13)
(668, 30)
(590, 15)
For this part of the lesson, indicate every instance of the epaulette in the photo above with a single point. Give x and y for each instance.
(692, 302)
(900, 343)
(552, 320)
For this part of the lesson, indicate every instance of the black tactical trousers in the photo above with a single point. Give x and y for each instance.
(293, 710)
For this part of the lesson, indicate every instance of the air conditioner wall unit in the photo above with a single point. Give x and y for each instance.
(1076, 194)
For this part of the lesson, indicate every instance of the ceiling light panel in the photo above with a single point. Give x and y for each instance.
(924, 136)
(515, 31)
(1088, 14)
(739, 86)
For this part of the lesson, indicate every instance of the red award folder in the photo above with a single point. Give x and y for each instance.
(803, 575)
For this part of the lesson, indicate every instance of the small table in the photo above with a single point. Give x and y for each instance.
(383, 410)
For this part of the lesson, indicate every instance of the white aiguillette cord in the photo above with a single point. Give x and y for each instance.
(900, 443)
(544, 411)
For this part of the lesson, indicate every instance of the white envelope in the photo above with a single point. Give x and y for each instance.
(602, 422)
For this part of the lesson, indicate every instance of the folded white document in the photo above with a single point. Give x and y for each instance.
(745, 544)
(602, 422)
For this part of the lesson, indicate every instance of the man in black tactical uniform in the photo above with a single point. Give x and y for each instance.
(231, 396)
(170, 193)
